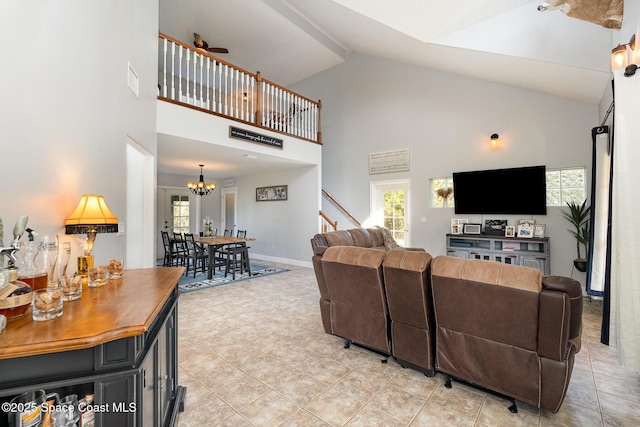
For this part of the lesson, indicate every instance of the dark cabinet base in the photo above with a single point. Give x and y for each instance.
(133, 380)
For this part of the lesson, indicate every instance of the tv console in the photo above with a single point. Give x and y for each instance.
(528, 252)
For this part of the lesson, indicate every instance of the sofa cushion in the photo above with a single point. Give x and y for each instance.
(339, 238)
(491, 272)
(361, 237)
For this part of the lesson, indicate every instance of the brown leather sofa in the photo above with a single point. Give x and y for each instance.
(355, 297)
(506, 328)
(408, 290)
(359, 237)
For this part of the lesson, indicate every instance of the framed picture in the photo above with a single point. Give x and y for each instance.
(495, 227)
(472, 229)
(510, 231)
(526, 221)
(538, 230)
(275, 192)
(457, 225)
(525, 231)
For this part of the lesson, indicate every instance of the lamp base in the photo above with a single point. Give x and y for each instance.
(84, 263)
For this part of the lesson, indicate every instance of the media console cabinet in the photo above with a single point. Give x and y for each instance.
(528, 252)
(118, 342)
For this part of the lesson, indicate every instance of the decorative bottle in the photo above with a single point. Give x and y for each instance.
(15, 295)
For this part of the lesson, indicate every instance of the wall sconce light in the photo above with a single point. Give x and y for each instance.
(620, 57)
(495, 141)
(245, 97)
(91, 216)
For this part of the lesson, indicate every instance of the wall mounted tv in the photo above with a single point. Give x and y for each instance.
(521, 191)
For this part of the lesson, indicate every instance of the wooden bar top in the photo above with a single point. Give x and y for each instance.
(122, 308)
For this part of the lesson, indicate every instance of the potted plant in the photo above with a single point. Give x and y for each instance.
(578, 216)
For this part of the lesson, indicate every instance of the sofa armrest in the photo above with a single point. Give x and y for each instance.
(574, 290)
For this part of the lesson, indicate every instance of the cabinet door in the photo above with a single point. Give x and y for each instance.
(480, 255)
(541, 263)
(457, 253)
(507, 259)
(166, 375)
(148, 389)
(116, 399)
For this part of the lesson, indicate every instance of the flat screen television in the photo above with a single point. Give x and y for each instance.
(521, 191)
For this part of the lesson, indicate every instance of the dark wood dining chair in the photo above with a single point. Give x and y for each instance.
(180, 247)
(196, 253)
(237, 257)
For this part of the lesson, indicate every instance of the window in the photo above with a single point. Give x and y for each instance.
(393, 218)
(566, 185)
(180, 213)
(438, 201)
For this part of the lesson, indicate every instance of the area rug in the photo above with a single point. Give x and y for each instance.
(189, 284)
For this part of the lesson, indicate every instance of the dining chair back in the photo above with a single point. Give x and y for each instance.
(180, 248)
(196, 254)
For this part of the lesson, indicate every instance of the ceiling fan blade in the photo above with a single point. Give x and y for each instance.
(218, 50)
(197, 41)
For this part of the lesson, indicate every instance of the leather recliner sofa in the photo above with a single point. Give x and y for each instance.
(372, 238)
(506, 328)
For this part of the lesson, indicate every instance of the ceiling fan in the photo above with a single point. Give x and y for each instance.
(201, 44)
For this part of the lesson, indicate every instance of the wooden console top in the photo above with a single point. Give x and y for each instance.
(122, 308)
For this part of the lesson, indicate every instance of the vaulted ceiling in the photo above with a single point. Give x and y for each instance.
(503, 41)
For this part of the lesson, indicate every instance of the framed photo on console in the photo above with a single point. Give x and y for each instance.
(495, 227)
(525, 231)
(472, 229)
(510, 231)
(457, 225)
(538, 230)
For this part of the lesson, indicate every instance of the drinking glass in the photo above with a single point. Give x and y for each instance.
(47, 303)
(47, 255)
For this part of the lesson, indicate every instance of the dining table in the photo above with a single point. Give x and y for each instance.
(216, 242)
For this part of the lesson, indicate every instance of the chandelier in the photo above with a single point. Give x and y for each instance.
(200, 188)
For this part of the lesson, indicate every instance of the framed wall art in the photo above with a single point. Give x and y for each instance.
(510, 231)
(272, 193)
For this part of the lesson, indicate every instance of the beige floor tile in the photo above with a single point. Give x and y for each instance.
(460, 398)
(371, 417)
(495, 412)
(242, 392)
(571, 415)
(620, 407)
(435, 415)
(334, 407)
(270, 409)
(302, 418)
(397, 403)
(205, 412)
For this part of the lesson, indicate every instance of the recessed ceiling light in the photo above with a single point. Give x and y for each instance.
(250, 156)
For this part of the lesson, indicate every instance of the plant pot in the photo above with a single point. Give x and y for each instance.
(580, 265)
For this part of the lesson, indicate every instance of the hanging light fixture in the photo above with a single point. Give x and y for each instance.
(200, 188)
(620, 58)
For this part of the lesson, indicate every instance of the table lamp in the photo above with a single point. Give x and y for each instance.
(91, 216)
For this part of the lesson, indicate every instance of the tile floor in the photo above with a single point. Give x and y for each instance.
(254, 354)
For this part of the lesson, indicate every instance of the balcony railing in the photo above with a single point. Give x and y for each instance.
(196, 79)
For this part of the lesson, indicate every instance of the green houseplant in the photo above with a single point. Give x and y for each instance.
(578, 216)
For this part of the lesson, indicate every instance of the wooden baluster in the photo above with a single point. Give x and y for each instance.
(208, 84)
(259, 119)
(173, 71)
(164, 68)
(244, 103)
(180, 75)
(201, 81)
(226, 89)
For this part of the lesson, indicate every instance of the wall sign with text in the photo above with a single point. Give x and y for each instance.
(247, 135)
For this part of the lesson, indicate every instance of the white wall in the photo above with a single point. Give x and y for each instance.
(66, 111)
(372, 105)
